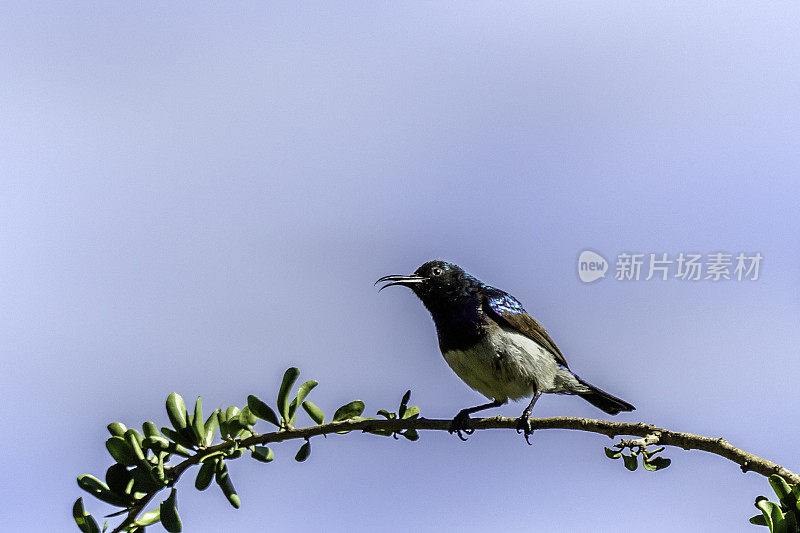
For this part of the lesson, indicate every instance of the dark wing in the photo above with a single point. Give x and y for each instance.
(507, 311)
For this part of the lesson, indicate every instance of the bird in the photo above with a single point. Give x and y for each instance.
(491, 343)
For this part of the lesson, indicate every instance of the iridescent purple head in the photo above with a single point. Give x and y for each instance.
(436, 282)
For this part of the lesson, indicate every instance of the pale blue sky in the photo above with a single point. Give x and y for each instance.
(194, 197)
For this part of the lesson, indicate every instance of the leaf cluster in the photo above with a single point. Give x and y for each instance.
(650, 461)
(141, 466)
(781, 517)
(144, 461)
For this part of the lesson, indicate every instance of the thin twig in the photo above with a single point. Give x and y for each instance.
(137, 508)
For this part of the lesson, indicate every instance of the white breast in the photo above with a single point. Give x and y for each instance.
(507, 364)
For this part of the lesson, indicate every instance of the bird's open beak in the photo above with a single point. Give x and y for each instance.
(406, 281)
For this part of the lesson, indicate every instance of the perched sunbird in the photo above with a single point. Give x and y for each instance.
(494, 345)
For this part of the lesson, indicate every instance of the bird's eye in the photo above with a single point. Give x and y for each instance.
(436, 271)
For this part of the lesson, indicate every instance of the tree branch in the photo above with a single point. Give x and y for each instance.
(652, 434)
(649, 435)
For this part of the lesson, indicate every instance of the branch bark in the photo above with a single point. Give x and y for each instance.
(654, 435)
(648, 434)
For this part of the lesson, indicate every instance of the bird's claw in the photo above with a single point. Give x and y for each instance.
(524, 426)
(460, 424)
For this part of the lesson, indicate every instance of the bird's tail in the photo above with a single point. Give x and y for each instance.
(603, 400)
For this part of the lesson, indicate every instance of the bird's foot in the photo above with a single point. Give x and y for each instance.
(460, 424)
(524, 426)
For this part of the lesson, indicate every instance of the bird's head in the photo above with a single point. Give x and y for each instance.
(435, 283)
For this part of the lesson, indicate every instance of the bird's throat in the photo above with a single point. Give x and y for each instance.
(459, 325)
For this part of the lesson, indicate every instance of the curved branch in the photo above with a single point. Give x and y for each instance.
(648, 434)
(653, 434)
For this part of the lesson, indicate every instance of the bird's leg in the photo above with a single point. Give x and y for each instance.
(524, 421)
(461, 421)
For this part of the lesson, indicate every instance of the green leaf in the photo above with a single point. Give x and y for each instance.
(791, 522)
(84, 520)
(150, 430)
(612, 454)
(169, 511)
(205, 474)
(303, 452)
(149, 518)
(224, 482)
(406, 398)
(348, 411)
(121, 451)
(100, 490)
(117, 429)
(157, 472)
(235, 453)
(135, 435)
(411, 413)
(380, 431)
(630, 462)
(262, 410)
(232, 426)
(131, 438)
(656, 463)
(176, 437)
(222, 417)
(156, 443)
(289, 377)
(143, 481)
(411, 434)
(782, 489)
(176, 411)
(314, 412)
(178, 450)
(404, 404)
(211, 425)
(119, 480)
(232, 413)
(198, 427)
(262, 453)
(302, 392)
(118, 513)
(386, 414)
(758, 520)
(772, 514)
(247, 418)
